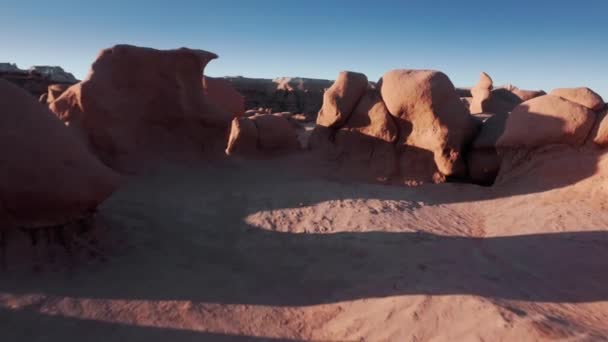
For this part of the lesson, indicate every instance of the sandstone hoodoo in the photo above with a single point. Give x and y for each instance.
(341, 98)
(430, 117)
(488, 99)
(139, 105)
(412, 129)
(481, 93)
(48, 176)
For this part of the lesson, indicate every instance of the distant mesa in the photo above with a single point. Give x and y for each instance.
(37, 78)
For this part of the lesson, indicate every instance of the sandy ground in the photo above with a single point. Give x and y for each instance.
(258, 251)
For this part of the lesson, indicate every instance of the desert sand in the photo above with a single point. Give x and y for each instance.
(254, 251)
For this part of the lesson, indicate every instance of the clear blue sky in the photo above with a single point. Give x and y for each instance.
(532, 44)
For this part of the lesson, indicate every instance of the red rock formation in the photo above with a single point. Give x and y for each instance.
(48, 176)
(341, 99)
(430, 116)
(259, 135)
(220, 92)
(583, 96)
(547, 120)
(481, 93)
(140, 105)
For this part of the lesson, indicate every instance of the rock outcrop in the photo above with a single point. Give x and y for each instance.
(141, 105)
(582, 95)
(222, 94)
(411, 129)
(482, 158)
(488, 99)
(48, 176)
(430, 117)
(259, 135)
(481, 93)
(341, 98)
(547, 120)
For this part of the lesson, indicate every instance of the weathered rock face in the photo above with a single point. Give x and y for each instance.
(501, 100)
(340, 100)
(37, 79)
(54, 91)
(481, 93)
(482, 158)
(582, 96)
(140, 105)
(221, 93)
(48, 176)
(599, 134)
(547, 120)
(285, 94)
(430, 116)
(259, 135)
(243, 138)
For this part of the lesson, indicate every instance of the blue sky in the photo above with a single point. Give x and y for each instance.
(531, 44)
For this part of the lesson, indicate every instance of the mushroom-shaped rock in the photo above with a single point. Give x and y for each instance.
(139, 105)
(48, 175)
(481, 93)
(429, 115)
(220, 92)
(583, 96)
(341, 98)
(547, 120)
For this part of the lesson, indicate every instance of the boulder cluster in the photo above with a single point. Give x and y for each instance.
(139, 106)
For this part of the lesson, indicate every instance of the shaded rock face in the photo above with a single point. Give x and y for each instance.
(341, 98)
(547, 120)
(430, 116)
(222, 94)
(48, 176)
(259, 135)
(37, 79)
(482, 158)
(286, 94)
(599, 134)
(54, 91)
(139, 106)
